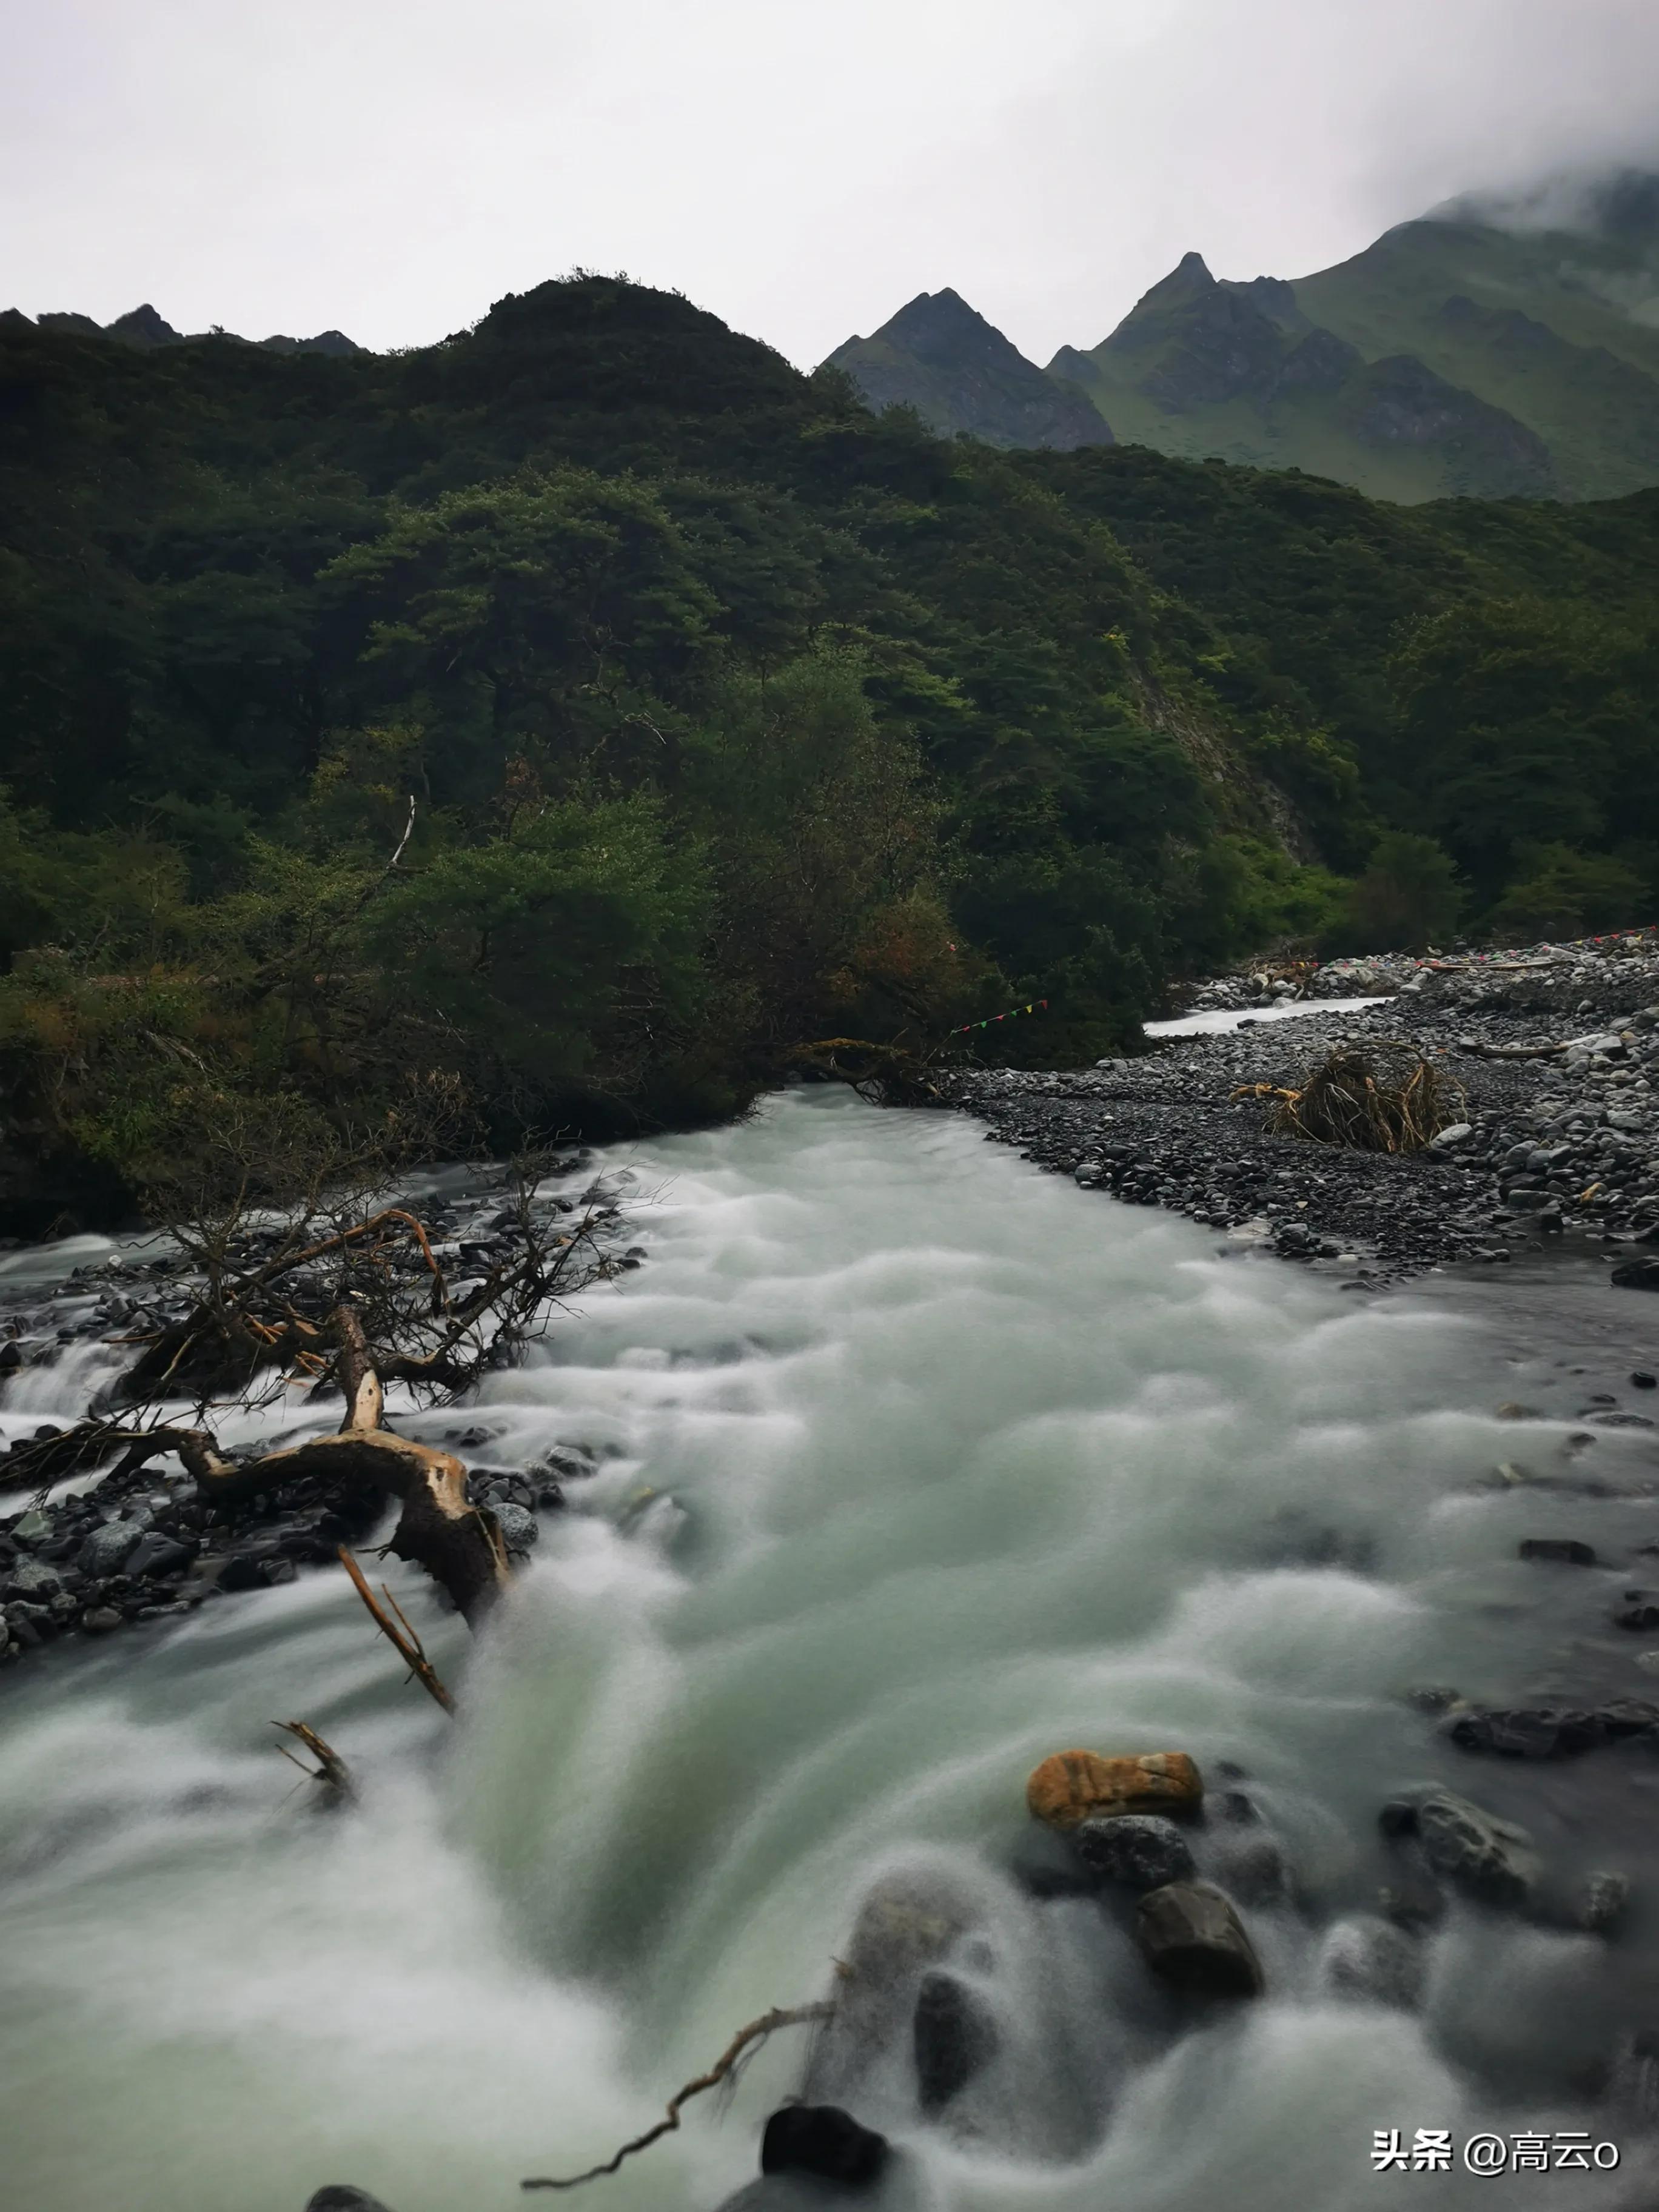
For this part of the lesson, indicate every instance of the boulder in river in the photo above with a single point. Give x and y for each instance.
(1563, 1551)
(105, 1551)
(1485, 1858)
(1143, 1850)
(341, 2197)
(823, 2141)
(1074, 1786)
(1543, 1732)
(1190, 1934)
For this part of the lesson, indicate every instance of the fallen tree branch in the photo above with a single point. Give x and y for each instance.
(331, 1770)
(1478, 1051)
(399, 1634)
(756, 2032)
(439, 1529)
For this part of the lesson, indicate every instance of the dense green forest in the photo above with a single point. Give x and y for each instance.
(556, 728)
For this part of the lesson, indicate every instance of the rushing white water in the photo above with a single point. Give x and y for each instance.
(952, 1466)
(1216, 1019)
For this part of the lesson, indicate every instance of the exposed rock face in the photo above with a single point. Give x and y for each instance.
(1073, 1786)
(143, 326)
(1190, 1934)
(1215, 346)
(1321, 362)
(960, 373)
(1400, 401)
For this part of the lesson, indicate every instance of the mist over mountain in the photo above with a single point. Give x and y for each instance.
(1497, 347)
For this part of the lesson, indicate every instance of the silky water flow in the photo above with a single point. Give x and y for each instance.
(914, 1465)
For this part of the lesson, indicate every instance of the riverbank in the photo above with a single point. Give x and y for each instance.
(1559, 1146)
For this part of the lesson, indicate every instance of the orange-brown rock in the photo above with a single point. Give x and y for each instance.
(1078, 1785)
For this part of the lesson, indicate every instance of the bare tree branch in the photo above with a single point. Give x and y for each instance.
(756, 2032)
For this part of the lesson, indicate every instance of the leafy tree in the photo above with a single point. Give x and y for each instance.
(1561, 893)
(1408, 896)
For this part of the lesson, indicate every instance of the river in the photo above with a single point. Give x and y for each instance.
(916, 1465)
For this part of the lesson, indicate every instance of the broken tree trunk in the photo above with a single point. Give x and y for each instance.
(457, 1542)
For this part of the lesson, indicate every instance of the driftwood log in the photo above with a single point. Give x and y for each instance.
(458, 1543)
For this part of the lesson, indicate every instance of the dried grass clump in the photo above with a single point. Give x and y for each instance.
(1387, 1098)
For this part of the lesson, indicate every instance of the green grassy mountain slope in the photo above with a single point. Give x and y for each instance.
(1475, 353)
(1241, 372)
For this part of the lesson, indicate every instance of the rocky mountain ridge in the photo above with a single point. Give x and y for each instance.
(1458, 355)
(959, 372)
(143, 327)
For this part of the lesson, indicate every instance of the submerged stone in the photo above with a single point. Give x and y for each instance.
(1370, 1961)
(955, 2038)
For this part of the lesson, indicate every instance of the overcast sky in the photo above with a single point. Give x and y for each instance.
(801, 167)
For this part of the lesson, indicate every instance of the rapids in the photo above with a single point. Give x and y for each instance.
(916, 1465)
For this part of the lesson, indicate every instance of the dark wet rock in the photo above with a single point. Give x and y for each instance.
(1488, 1858)
(823, 2141)
(99, 1619)
(1563, 1551)
(1142, 1851)
(562, 1463)
(1642, 1274)
(1374, 1961)
(157, 1555)
(1622, 1717)
(244, 1570)
(954, 2036)
(517, 1526)
(1190, 1934)
(1640, 1610)
(341, 2197)
(106, 1550)
(1601, 1902)
(1543, 1732)
(31, 1581)
(1644, 1381)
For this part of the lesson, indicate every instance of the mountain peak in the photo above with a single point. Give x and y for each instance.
(143, 327)
(940, 356)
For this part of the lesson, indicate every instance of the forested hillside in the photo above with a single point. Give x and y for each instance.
(558, 727)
